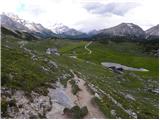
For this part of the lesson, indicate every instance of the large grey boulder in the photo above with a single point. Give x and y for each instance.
(52, 51)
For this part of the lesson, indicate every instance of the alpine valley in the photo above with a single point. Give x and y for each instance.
(60, 72)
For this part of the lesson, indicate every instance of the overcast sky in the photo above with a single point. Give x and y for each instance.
(85, 15)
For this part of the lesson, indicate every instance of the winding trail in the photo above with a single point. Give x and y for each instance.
(22, 46)
(63, 97)
(83, 98)
(86, 47)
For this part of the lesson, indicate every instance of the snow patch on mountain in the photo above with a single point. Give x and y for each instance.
(130, 25)
(59, 28)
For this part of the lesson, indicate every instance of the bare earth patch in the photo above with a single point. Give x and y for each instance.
(83, 98)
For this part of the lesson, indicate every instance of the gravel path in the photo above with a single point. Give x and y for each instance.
(63, 97)
(83, 98)
(86, 47)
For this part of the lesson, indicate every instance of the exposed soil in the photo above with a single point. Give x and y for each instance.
(83, 98)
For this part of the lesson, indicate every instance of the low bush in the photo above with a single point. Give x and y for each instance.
(76, 112)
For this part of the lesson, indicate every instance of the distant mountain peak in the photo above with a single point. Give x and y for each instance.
(93, 32)
(15, 17)
(59, 28)
(13, 22)
(11, 15)
(128, 30)
(129, 25)
(153, 32)
(65, 31)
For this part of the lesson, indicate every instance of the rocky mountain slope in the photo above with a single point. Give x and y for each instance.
(129, 31)
(59, 28)
(125, 30)
(13, 22)
(93, 32)
(18, 34)
(66, 32)
(152, 32)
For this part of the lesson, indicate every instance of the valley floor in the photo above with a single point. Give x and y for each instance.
(37, 79)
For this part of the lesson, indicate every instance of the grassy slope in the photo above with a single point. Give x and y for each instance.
(21, 72)
(112, 83)
(129, 54)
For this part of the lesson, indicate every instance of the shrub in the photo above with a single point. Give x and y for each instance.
(66, 111)
(76, 112)
(84, 111)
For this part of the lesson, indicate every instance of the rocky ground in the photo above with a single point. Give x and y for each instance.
(22, 105)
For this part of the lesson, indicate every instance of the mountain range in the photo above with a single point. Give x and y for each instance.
(14, 23)
(65, 31)
(125, 30)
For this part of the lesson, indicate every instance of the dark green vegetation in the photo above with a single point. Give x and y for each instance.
(19, 71)
(151, 46)
(75, 87)
(134, 92)
(18, 34)
(5, 104)
(4, 107)
(76, 112)
(130, 54)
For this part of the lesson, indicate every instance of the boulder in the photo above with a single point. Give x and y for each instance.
(52, 51)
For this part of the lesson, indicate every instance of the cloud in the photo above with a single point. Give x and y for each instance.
(110, 8)
(34, 10)
(85, 15)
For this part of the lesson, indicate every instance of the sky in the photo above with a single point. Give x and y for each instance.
(85, 15)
